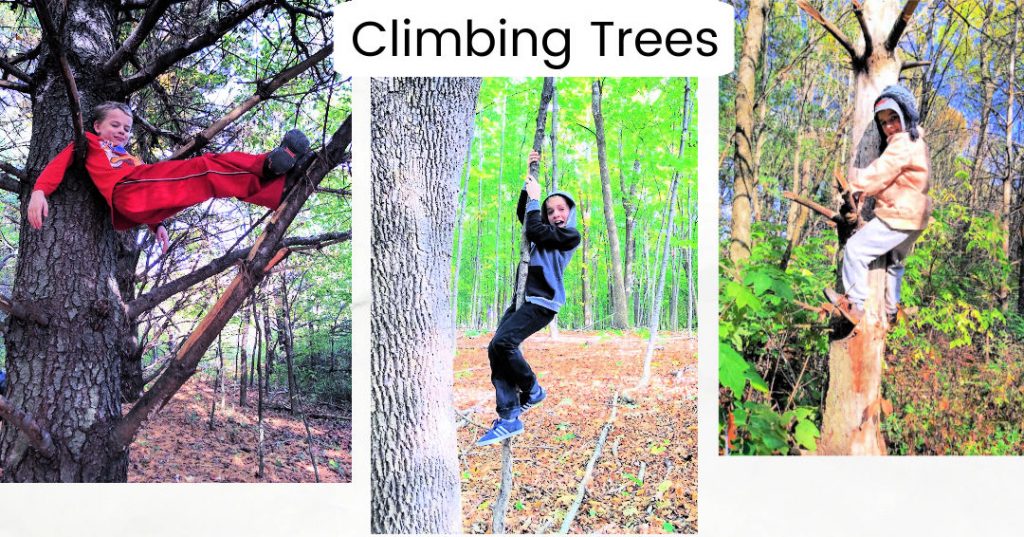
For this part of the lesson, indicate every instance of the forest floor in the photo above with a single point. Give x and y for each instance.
(177, 445)
(645, 480)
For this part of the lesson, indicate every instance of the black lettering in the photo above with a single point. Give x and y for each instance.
(642, 41)
(438, 35)
(471, 37)
(600, 43)
(562, 52)
(623, 32)
(712, 44)
(355, 39)
(684, 40)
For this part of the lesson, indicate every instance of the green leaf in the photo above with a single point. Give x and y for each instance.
(806, 433)
(732, 369)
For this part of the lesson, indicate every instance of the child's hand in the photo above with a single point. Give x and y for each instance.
(534, 157)
(532, 188)
(161, 237)
(38, 209)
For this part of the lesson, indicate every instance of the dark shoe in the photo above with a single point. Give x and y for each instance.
(295, 174)
(852, 312)
(282, 159)
(537, 394)
(500, 430)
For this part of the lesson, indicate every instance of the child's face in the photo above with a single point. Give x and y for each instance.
(557, 210)
(890, 122)
(115, 127)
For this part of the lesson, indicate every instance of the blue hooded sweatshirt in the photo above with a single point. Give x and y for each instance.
(551, 249)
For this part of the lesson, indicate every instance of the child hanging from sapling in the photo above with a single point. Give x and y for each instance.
(551, 229)
(139, 193)
(898, 180)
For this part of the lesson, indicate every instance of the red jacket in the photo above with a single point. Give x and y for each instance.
(106, 164)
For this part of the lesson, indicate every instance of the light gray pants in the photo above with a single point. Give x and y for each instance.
(871, 242)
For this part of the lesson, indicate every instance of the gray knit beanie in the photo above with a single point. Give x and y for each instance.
(904, 99)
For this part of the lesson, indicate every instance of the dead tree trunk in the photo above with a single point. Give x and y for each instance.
(851, 421)
(243, 349)
(414, 468)
(505, 489)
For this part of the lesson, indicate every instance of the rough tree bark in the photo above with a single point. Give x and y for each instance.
(745, 183)
(851, 421)
(620, 318)
(414, 458)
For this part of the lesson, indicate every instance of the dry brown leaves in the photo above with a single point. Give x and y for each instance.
(177, 445)
(646, 478)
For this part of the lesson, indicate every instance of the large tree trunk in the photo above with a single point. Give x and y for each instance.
(620, 318)
(68, 373)
(851, 421)
(745, 182)
(414, 457)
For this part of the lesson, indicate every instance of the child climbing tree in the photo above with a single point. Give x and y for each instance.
(72, 315)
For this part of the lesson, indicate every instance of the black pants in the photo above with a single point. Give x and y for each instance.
(510, 374)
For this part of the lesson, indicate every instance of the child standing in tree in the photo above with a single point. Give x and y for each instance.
(551, 229)
(898, 180)
(139, 193)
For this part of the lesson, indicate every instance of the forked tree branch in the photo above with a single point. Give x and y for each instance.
(57, 48)
(210, 35)
(831, 28)
(858, 11)
(259, 260)
(138, 35)
(9, 67)
(900, 25)
(263, 92)
(157, 295)
(37, 436)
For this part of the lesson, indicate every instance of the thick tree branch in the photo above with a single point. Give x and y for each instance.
(6, 66)
(263, 92)
(16, 86)
(858, 11)
(832, 29)
(37, 436)
(53, 40)
(10, 184)
(23, 312)
(210, 35)
(249, 276)
(138, 35)
(900, 25)
(155, 296)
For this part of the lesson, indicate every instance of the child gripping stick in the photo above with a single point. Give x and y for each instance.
(551, 229)
(140, 193)
(898, 180)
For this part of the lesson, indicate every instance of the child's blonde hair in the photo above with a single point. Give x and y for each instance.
(100, 111)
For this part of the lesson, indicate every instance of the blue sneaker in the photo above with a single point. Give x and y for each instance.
(537, 394)
(500, 430)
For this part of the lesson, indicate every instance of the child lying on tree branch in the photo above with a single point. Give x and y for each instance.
(140, 193)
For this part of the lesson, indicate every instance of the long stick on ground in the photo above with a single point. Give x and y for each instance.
(581, 491)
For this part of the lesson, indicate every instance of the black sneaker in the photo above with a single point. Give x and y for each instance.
(283, 157)
(296, 173)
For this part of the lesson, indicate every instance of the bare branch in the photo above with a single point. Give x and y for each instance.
(858, 11)
(138, 35)
(900, 25)
(157, 295)
(816, 207)
(210, 35)
(263, 92)
(22, 311)
(37, 436)
(831, 28)
(13, 170)
(309, 12)
(249, 276)
(57, 48)
(16, 86)
(10, 184)
(914, 65)
(9, 67)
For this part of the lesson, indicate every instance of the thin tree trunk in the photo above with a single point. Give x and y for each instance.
(745, 183)
(620, 319)
(458, 229)
(288, 338)
(243, 345)
(414, 468)
(1004, 291)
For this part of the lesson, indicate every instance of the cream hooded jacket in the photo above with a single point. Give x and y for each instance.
(898, 179)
